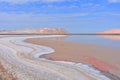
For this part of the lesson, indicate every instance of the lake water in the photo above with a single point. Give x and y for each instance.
(95, 39)
(102, 53)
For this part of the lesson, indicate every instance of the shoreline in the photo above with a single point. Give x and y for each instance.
(81, 60)
(95, 71)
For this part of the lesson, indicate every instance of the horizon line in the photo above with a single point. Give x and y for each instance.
(62, 34)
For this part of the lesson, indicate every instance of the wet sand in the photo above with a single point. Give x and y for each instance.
(104, 58)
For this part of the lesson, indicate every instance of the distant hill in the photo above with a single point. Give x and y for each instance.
(35, 31)
(112, 31)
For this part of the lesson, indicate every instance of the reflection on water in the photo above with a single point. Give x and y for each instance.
(94, 40)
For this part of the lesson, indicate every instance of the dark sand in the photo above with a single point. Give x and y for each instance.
(104, 58)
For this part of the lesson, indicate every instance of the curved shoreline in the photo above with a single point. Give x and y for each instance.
(60, 45)
(22, 60)
(82, 65)
(26, 68)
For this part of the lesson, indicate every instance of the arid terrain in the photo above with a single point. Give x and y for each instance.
(35, 31)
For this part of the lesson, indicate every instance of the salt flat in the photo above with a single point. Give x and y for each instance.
(21, 59)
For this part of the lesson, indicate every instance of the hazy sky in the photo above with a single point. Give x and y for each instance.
(76, 16)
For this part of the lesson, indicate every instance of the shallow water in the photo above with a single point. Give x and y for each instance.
(101, 53)
(94, 39)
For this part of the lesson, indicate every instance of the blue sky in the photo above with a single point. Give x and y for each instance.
(76, 16)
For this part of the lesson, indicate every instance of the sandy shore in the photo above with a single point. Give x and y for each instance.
(102, 57)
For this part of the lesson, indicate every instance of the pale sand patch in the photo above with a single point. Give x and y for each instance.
(102, 57)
